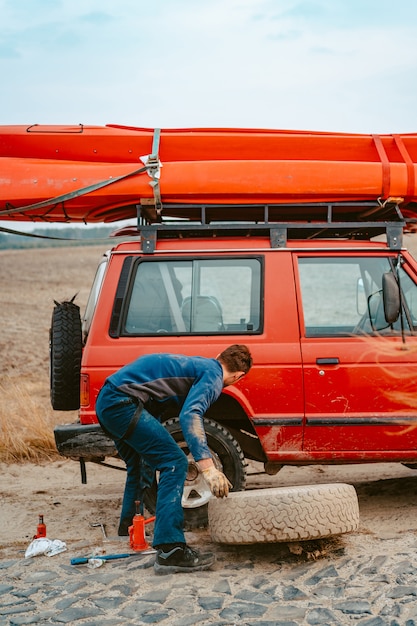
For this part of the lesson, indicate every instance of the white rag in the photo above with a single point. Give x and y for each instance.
(48, 547)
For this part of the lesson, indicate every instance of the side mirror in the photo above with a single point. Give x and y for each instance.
(391, 297)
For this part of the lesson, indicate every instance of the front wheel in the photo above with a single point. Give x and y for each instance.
(227, 456)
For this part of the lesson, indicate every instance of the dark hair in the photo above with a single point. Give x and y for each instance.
(236, 358)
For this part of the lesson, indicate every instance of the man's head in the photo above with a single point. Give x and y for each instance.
(236, 361)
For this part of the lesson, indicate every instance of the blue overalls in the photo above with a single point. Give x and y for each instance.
(129, 407)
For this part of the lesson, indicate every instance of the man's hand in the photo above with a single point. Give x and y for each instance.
(217, 481)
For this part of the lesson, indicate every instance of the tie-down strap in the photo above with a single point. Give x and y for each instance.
(153, 166)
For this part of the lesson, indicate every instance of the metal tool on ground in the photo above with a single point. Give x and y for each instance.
(102, 529)
(108, 557)
(137, 530)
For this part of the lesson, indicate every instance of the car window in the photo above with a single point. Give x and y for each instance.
(409, 294)
(93, 297)
(199, 296)
(343, 296)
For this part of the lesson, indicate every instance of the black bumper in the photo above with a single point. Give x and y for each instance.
(83, 441)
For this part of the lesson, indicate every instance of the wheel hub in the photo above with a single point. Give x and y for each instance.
(196, 492)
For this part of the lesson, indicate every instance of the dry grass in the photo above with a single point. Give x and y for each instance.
(26, 427)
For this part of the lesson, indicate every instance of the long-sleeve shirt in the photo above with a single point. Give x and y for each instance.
(192, 383)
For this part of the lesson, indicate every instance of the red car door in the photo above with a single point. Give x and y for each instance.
(358, 372)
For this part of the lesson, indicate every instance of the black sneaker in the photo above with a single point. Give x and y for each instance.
(182, 559)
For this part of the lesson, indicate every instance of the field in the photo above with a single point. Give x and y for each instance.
(35, 479)
(30, 281)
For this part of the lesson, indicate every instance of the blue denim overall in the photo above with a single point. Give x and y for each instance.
(151, 441)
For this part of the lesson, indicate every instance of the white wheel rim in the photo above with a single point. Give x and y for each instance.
(196, 492)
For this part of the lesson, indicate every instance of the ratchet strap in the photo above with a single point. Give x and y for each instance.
(71, 195)
(410, 166)
(153, 165)
(386, 173)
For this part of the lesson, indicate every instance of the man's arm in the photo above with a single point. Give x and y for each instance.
(201, 396)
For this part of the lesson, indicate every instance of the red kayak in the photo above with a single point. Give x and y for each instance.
(102, 173)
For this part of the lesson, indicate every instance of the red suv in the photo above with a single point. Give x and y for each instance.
(329, 316)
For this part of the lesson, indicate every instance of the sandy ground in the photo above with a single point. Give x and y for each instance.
(387, 500)
(29, 281)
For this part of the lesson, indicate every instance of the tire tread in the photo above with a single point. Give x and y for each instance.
(284, 514)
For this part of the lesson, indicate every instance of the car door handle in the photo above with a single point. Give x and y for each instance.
(328, 361)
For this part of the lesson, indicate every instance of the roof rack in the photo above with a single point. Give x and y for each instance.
(353, 220)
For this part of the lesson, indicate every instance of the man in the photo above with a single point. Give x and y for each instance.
(129, 408)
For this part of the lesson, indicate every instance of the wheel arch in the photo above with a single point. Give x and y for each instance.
(228, 412)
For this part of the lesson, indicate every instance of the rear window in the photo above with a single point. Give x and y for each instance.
(93, 297)
(201, 296)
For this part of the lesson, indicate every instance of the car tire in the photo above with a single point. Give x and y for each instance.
(65, 348)
(284, 514)
(227, 456)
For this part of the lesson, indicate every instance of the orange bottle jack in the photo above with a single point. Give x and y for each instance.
(41, 528)
(137, 530)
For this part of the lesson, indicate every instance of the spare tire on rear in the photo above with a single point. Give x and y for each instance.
(284, 514)
(65, 349)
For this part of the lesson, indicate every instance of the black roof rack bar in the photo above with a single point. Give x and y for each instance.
(271, 213)
(279, 231)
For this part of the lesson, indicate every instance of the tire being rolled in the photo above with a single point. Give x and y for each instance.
(65, 350)
(284, 514)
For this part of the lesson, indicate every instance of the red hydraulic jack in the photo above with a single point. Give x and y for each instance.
(137, 530)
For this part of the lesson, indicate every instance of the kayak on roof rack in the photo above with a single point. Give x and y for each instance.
(103, 173)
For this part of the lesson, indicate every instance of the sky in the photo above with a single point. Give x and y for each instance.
(331, 65)
(338, 65)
